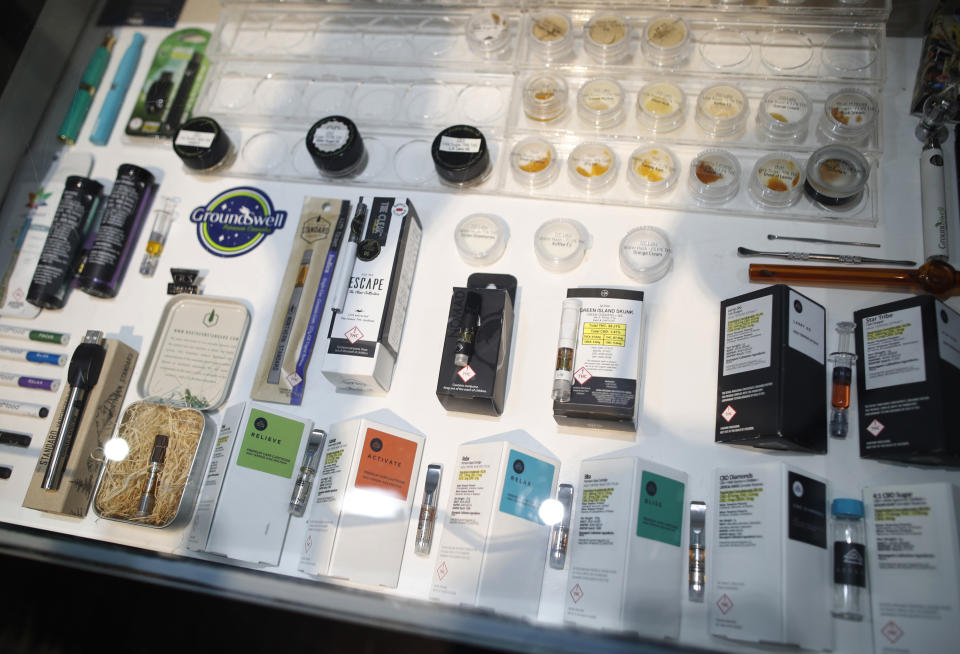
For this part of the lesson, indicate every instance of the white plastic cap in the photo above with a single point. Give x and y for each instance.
(569, 323)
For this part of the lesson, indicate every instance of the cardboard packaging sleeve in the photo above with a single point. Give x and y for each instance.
(102, 409)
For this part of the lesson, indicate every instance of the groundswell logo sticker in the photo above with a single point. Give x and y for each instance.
(236, 221)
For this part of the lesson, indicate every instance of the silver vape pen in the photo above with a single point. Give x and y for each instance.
(428, 510)
(308, 472)
(560, 533)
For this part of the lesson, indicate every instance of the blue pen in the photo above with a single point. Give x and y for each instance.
(22, 354)
(118, 91)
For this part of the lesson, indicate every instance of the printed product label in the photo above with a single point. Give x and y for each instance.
(191, 138)
(331, 136)
(848, 564)
(806, 327)
(386, 463)
(738, 523)
(454, 144)
(607, 362)
(270, 443)
(660, 516)
(948, 334)
(893, 349)
(906, 531)
(748, 335)
(806, 510)
(526, 484)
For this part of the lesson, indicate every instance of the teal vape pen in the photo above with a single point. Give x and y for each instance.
(91, 79)
(118, 91)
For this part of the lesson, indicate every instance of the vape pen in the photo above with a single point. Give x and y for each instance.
(428, 510)
(566, 350)
(91, 79)
(27, 334)
(71, 224)
(347, 259)
(560, 532)
(273, 376)
(843, 360)
(27, 409)
(698, 551)
(15, 438)
(308, 472)
(933, 202)
(162, 220)
(159, 93)
(468, 330)
(24, 381)
(22, 354)
(118, 91)
(120, 225)
(82, 375)
(175, 117)
(149, 497)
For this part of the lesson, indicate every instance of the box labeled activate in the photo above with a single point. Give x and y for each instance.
(771, 579)
(242, 512)
(494, 544)
(360, 511)
(627, 563)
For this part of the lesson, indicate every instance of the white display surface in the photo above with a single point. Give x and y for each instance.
(678, 389)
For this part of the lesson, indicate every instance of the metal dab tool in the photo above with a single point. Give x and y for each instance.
(837, 258)
(804, 239)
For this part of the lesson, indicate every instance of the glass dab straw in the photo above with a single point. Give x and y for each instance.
(843, 360)
(163, 218)
(935, 277)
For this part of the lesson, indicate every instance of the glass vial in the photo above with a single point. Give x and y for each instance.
(777, 181)
(666, 41)
(592, 166)
(545, 97)
(162, 220)
(784, 115)
(534, 162)
(660, 106)
(428, 511)
(849, 116)
(566, 350)
(652, 169)
(714, 177)
(849, 560)
(722, 110)
(560, 532)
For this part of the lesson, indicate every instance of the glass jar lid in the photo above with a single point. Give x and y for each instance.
(534, 162)
(652, 169)
(488, 33)
(837, 176)
(666, 40)
(722, 110)
(481, 238)
(849, 116)
(592, 166)
(600, 103)
(784, 114)
(714, 177)
(545, 96)
(561, 244)
(661, 106)
(606, 37)
(645, 254)
(777, 180)
(551, 35)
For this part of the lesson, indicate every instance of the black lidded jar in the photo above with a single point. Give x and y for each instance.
(202, 145)
(335, 145)
(71, 222)
(461, 156)
(123, 216)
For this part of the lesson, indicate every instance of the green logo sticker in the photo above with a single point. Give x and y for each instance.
(660, 516)
(270, 443)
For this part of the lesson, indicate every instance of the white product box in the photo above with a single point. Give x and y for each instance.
(913, 554)
(363, 496)
(365, 336)
(771, 568)
(627, 563)
(493, 547)
(243, 508)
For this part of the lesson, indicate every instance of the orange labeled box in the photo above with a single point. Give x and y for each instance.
(360, 511)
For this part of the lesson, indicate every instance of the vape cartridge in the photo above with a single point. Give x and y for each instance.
(468, 330)
(428, 511)
(698, 551)
(149, 497)
(308, 472)
(843, 360)
(566, 350)
(560, 532)
(162, 219)
(276, 366)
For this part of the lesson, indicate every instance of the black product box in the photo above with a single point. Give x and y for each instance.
(607, 366)
(478, 335)
(772, 385)
(908, 376)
